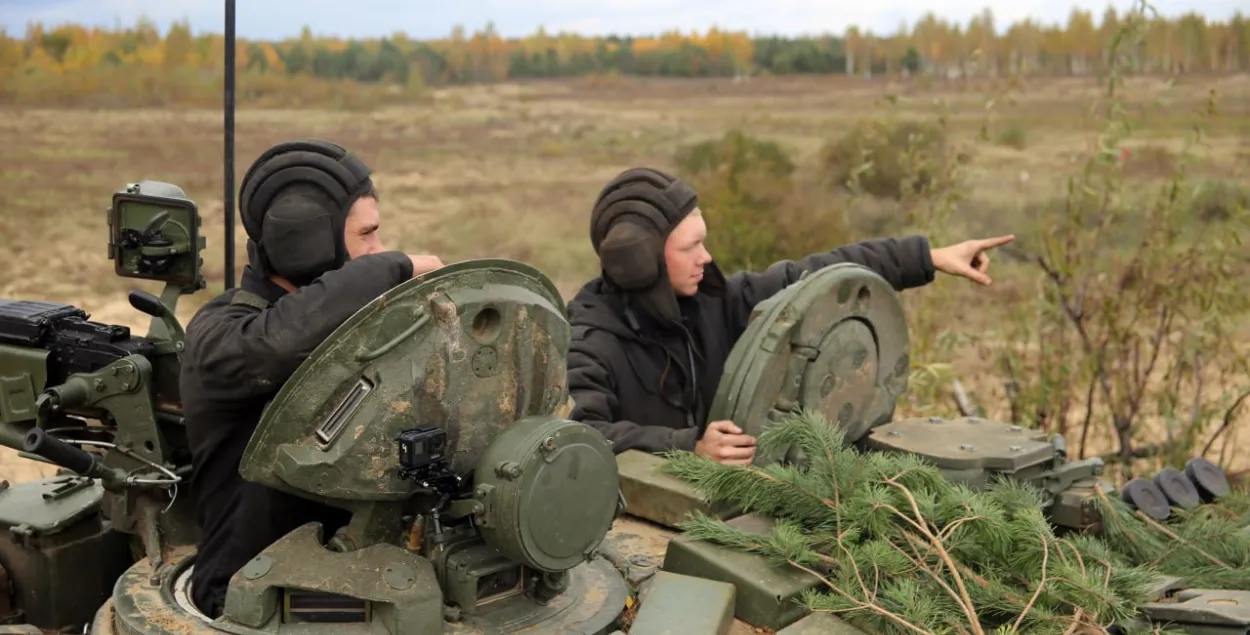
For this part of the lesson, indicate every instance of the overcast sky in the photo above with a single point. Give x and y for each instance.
(275, 19)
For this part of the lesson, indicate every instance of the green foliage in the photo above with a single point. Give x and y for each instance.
(735, 153)
(1220, 201)
(1013, 136)
(888, 158)
(1138, 294)
(900, 548)
(754, 206)
(932, 48)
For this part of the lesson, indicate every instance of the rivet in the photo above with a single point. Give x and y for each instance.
(1015, 448)
(967, 446)
(935, 420)
(895, 433)
(1015, 428)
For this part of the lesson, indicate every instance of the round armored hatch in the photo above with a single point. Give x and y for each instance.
(967, 449)
(445, 361)
(591, 602)
(834, 342)
(549, 491)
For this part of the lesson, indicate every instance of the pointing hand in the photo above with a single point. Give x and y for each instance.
(969, 258)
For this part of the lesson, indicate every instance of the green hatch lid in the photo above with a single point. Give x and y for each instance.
(834, 342)
(49, 505)
(550, 490)
(964, 443)
(469, 349)
(1220, 611)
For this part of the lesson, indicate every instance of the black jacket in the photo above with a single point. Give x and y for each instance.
(237, 357)
(632, 381)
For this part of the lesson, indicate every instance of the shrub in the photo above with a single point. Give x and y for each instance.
(1139, 294)
(1220, 201)
(1013, 136)
(757, 211)
(888, 159)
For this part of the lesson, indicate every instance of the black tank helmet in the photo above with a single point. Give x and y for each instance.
(632, 218)
(300, 237)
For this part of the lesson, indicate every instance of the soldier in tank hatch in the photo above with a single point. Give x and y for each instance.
(651, 335)
(315, 258)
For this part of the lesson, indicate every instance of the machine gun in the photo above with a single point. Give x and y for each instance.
(70, 387)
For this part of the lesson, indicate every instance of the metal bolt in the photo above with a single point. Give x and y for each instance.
(1015, 428)
(1015, 448)
(935, 420)
(967, 446)
(509, 470)
(895, 433)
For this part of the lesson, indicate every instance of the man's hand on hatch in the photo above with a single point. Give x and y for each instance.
(725, 442)
(424, 263)
(968, 259)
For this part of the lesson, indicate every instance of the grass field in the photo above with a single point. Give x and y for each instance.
(511, 170)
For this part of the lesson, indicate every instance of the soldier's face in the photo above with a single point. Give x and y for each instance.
(685, 254)
(361, 231)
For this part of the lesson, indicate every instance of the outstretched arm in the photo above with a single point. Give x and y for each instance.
(903, 262)
(592, 387)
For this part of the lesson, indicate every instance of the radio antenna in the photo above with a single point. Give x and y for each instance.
(228, 184)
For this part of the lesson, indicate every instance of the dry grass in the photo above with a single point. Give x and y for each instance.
(511, 170)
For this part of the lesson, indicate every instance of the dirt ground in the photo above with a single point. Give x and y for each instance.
(511, 170)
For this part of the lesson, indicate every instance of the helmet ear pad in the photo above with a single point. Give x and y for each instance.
(300, 237)
(632, 255)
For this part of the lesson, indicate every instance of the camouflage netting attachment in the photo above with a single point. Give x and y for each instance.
(835, 342)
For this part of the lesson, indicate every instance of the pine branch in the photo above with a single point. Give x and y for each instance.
(899, 548)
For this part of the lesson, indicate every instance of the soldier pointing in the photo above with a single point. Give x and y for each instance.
(651, 335)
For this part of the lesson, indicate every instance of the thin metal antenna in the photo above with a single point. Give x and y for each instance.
(228, 185)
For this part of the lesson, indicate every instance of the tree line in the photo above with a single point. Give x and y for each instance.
(932, 46)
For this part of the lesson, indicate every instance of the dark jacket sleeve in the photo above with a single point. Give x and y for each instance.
(259, 350)
(592, 386)
(903, 262)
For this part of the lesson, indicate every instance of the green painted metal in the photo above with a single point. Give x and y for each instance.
(675, 604)
(821, 624)
(835, 341)
(470, 349)
(659, 497)
(549, 490)
(1203, 612)
(23, 375)
(767, 594)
